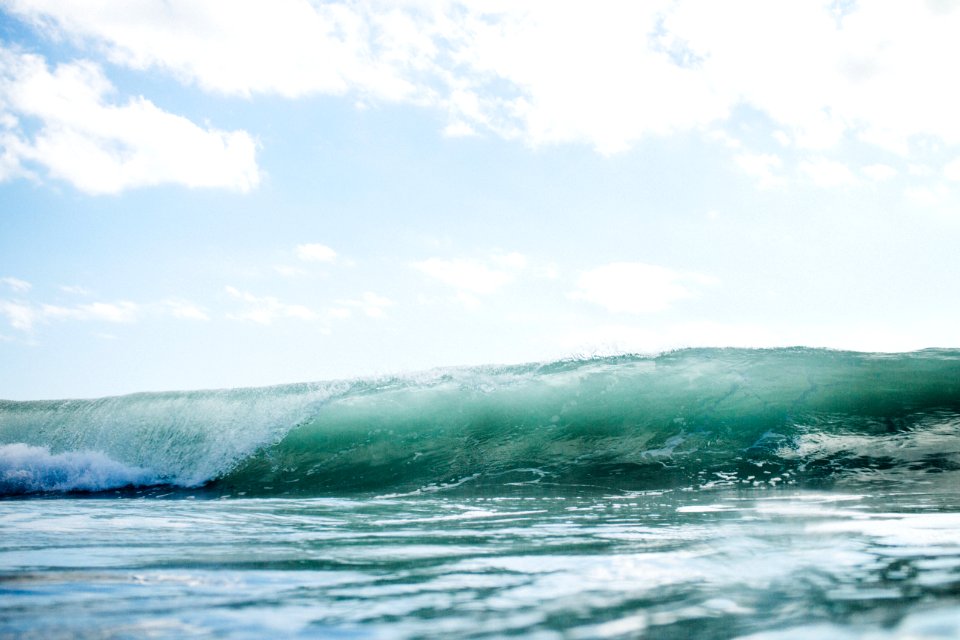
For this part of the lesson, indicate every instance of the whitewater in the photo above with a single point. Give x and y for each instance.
(710, 493)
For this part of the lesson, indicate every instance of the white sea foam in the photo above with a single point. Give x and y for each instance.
(28, 469)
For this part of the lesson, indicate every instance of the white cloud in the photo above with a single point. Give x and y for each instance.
(725, 139)
(289, 272)
(16, 284)
(555, 72)
(19, 315)
(952, 170)
(877, 70)
(762, 166)
(548, 271)
(370, 303)
(102, 147)
(121, 312)
(782, 138)
(339, 313)
(827, 173)
(24, 316)
(185, 310)
(473, 276)
(879, 172)
(605, 76)
(75, 290)
(468, 301)
(289, 48)
(927, 196)
(459, 129)
(636, 287)
(316, 253)
(266, 309)
(515, 261)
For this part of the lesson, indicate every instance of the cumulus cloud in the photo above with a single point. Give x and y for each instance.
(289, 48)
(470, 276)
(827, 173)
(101, 146)
(764, 167)
(879, 172)
(927, 196)
(316, 253)
(952, 170)
(553, 72)
(636, 287)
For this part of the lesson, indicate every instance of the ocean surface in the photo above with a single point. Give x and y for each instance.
(706, 493)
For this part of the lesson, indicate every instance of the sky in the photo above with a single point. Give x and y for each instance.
(236, 193)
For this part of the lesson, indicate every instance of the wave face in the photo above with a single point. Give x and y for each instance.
(696, 418)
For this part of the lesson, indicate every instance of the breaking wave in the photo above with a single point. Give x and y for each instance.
(691, 418)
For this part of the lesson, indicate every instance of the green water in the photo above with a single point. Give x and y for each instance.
(713, 493)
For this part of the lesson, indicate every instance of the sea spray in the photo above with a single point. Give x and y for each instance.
(28, 469)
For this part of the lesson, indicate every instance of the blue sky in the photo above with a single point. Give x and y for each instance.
(223, 194)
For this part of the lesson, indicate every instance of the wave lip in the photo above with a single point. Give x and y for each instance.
(27, 469)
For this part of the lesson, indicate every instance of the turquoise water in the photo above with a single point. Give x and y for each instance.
(720, 493)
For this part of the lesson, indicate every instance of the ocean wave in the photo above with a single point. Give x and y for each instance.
(688, 418)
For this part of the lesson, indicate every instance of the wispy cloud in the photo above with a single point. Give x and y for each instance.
(185, 310)
(24, 316)
(372, 304)
(123, 311)
(16, 284)
(19, 315)
(266, 309)
(75, 290)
